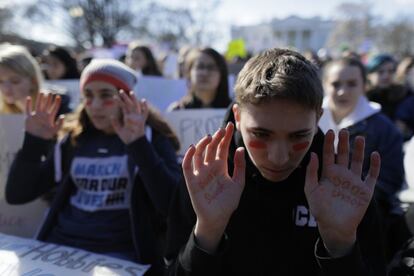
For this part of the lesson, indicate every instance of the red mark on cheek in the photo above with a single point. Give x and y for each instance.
(88, 102)
(257, 144)
(108, 102)
(300, 146)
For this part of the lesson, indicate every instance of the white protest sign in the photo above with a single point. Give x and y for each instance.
(26, 257)
(193, 124)
(407, 195)
(70, 87)
(160, 92)
(21, 220)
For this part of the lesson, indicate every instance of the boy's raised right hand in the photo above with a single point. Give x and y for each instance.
(41, 121)
(214, 194)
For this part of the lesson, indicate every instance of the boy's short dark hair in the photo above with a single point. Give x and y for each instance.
(279, 74)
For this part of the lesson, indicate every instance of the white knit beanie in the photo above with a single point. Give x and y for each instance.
(111, 71)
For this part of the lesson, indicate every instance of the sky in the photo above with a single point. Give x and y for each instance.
(242, 12)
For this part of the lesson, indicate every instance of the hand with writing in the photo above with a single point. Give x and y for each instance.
(214, 194)
(41, 121)
(340, 198)
(134, 115)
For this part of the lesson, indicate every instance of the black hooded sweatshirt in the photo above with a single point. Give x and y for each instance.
(271, 232)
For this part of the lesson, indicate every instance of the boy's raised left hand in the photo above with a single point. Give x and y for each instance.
(339, 200)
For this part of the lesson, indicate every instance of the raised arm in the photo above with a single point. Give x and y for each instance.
(32, 173)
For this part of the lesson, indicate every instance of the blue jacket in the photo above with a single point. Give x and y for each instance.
(381, 135)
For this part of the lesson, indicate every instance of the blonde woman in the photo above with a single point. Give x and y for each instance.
(20, 77)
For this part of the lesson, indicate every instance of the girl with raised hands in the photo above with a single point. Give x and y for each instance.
(115, 168)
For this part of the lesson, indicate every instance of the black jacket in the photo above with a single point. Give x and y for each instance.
(158, 176)
(270, 233)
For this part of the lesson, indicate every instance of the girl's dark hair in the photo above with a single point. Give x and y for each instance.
(222, 99)
(70, 63)
(151, 68)
(79, 123)
(347, 61)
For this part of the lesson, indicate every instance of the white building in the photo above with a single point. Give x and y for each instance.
(294, 32)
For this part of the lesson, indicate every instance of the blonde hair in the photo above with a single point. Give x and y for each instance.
(18, 59)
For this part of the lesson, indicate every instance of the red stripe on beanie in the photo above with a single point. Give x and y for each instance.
(105, 78)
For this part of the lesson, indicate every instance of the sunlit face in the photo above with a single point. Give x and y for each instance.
(55, 69)
(205, 74)
(136, 60)
(14, 87)
(101, 104)
(277, 134)
(343, 85)
(384, 76)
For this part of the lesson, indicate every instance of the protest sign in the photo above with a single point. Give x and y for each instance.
(160, 92)
(21, 220)
(192, 124)
(69, 87)
(27, 257)
(407, 195)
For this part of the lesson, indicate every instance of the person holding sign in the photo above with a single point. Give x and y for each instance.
(271, 197)
(115, 169)
(20, 76)
(207, 76)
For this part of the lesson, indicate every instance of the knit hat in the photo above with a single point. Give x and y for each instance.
(111, 71)
(378, 60)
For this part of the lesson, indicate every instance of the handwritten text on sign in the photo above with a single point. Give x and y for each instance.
(25, 257)
(192, 124)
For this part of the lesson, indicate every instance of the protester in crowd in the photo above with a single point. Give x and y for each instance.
(313, 57)
(207, 77)
(141, 59)
(83, 60)
(60, 64)
(20, 77)
(405, 111)
(403, 261)
(169, 63)
(289, 206)
(346, 107)
(182, 57)
(115, 168)
(383, 89)
(405, 73)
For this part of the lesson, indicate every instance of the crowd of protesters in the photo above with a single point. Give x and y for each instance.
(229, 209)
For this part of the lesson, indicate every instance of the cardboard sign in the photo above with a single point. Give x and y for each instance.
(21, 220)
(26, 257)
(193, 124)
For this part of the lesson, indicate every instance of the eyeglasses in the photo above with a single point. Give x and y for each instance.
(207, 67)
